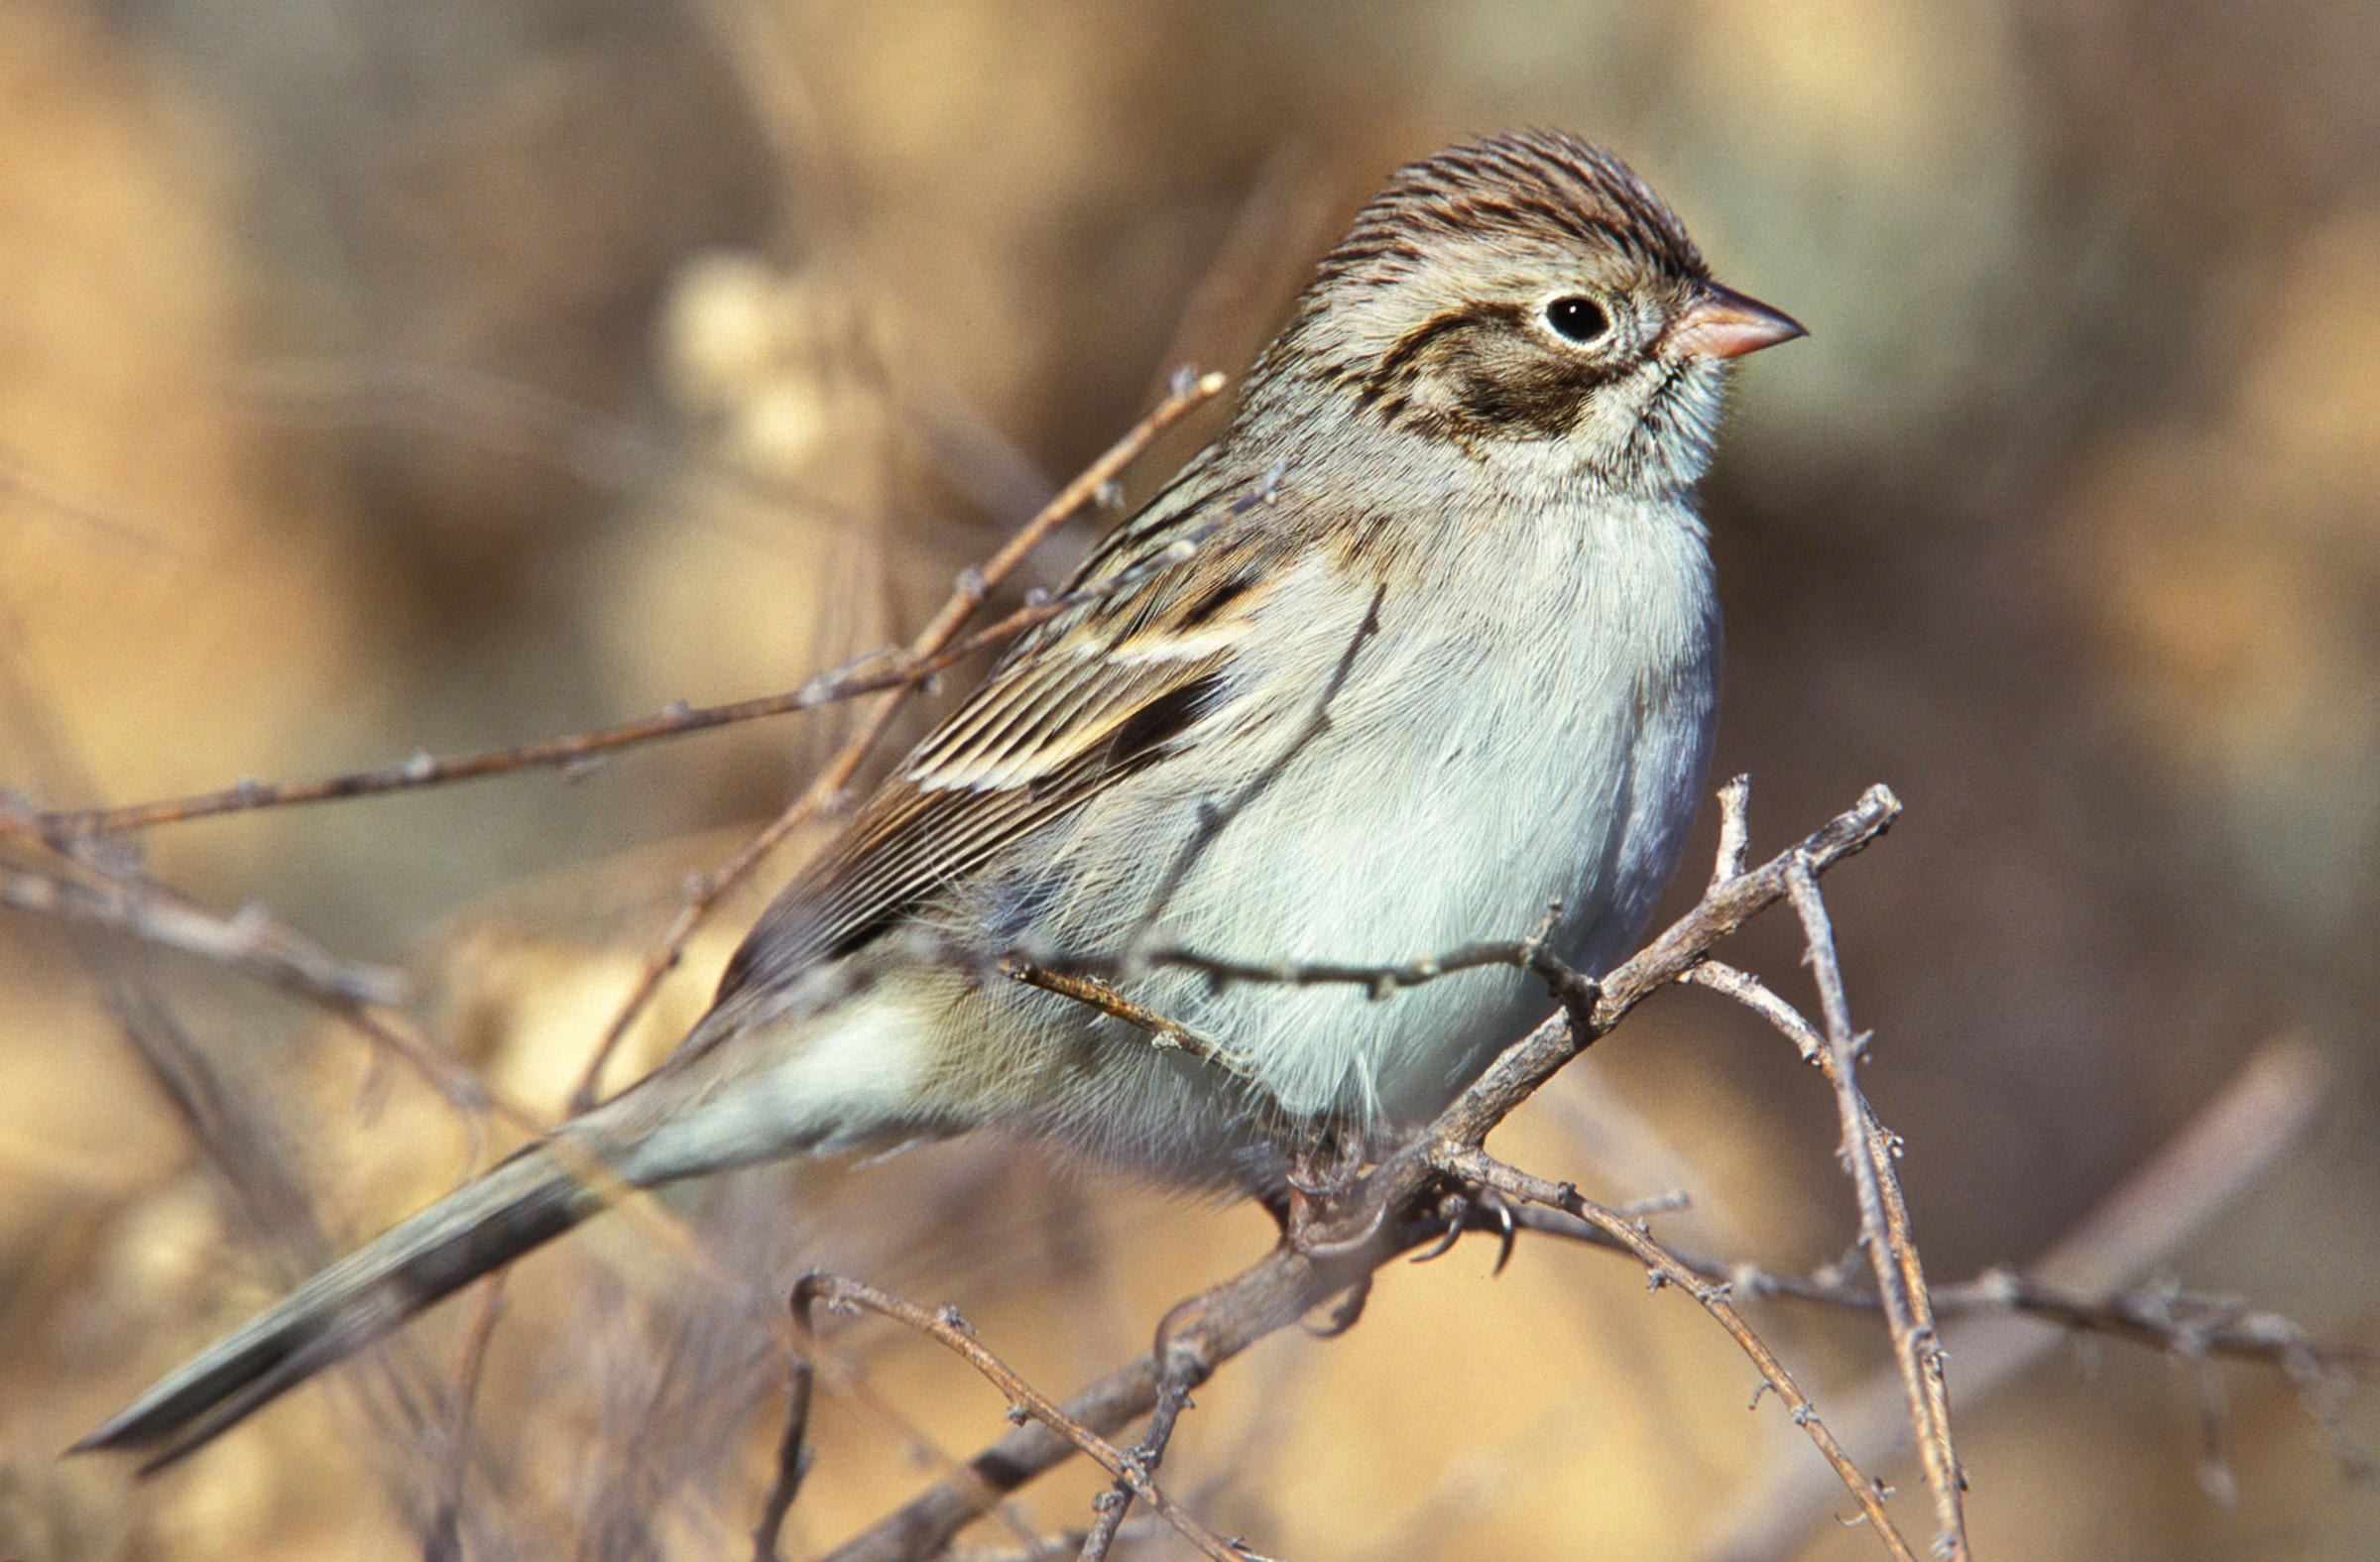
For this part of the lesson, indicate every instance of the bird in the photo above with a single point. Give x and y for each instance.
(1423, 648)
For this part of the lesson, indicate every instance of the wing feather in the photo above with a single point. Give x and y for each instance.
(1075, 707)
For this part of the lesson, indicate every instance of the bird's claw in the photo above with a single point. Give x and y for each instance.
(1469, 1204)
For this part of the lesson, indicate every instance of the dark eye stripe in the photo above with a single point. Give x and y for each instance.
(1397, 365)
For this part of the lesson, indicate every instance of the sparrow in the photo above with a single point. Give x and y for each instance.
(1423, 644)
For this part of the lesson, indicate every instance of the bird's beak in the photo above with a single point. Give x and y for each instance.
(1723, 323)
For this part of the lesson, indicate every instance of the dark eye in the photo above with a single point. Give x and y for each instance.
(1580, 320)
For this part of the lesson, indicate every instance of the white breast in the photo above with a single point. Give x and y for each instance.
(1529, 724)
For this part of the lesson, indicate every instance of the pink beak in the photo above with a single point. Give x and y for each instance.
(1723, 323)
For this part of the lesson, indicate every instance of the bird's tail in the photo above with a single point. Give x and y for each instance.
(527, 1200)
(736, 1093)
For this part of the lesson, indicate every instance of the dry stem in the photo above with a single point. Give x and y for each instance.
(1867, 1153)
(1025, 1402)
(248, 940)
(1478, 1168)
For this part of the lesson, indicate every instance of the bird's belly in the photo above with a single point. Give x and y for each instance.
(1414, 843)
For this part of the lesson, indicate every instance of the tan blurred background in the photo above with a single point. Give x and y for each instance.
(377, 378)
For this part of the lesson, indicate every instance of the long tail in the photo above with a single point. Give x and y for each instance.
(735, 1093)
(527, 1200)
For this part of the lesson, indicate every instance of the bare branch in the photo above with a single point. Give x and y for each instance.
(2157, 1317)
(2014, 1323)
(1401, 1205)
(1406, 1204)
(1531, 955)
(932, 653)
(251, 941)
(1097, 994)
(1478, 1168)
(1178, 1375)
(1867, 1153)
(1216, 1326)
(1024, 1400)
(1528, 1063)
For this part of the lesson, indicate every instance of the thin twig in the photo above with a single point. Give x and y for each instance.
(1025, 1401)
(1528, 1063)
(2156, 1317)
(1182, 1372)
(1097, 994)
(2013, 1323)
(1110, 1506)
(252, 939)
(575, 753)
(1226, 1320)
(792, 1460)
(1382, 979)
(249, 940)
(446, 1528)
(1478, 1168)
(1867, 1153)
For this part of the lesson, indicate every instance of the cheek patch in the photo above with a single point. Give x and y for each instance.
(1523, 395)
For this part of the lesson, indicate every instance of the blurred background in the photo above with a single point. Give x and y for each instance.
(377, 378)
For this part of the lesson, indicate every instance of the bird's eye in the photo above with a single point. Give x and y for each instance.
(1579, 320)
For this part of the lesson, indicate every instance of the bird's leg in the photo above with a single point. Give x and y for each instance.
(1322, 1167)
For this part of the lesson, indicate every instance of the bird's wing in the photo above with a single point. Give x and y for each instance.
(1148, 652)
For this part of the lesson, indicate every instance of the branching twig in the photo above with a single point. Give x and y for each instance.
(2011, 1324)
(1177, 1376)
(1478, 1168)
(1024, 1400)
(2157, 1317)
(1403, 1205)
(575, 753)
(1097, 994)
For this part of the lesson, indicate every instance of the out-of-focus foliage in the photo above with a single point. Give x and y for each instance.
(380, 377)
